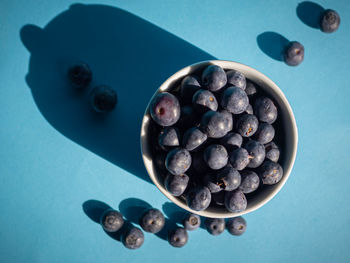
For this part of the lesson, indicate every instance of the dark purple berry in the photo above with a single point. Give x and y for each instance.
(235, 201)
(189, 86)
(265, 133)
(216, 156)
(236, 226)
(133, 238)
(103, 99)
(176, 184)
(112, 220)
(203, 100)
(271, 172)
(178, 237)
(272, 152)
(236, 78)
(198, 198)
(247, 125)
(193, 138)
(265, 110)
(80, 75)
(214, 78)
(178, 161)
(235, 100)
(191, 221)
(330, 21)
(250, 181)
(215, 226)
(152, 221)
(256, 153)
(294, 53)
(165, 109)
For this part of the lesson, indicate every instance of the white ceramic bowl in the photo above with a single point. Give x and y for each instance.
(289, 140)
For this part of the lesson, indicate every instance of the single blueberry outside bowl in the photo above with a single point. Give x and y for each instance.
(288, 138)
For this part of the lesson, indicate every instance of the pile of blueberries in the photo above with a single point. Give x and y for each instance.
(153, 221)
(212, 139)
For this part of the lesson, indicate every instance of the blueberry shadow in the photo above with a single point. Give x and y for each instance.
(173, 212)
(124, 51)
(272, 44)
(133, 208)
(310, 13)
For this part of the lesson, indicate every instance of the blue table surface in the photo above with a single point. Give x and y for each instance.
(59, 158)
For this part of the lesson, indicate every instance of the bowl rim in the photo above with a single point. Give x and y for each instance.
(223, 63)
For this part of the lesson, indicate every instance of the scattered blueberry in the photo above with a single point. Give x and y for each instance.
(250, 182)
(80, 75)
(214, 124)
(265, 110)
(203, 100)
(178, 237)
(152, 221)
(169, 137)
(228, 178)
(235, 201)
(178, 161)
(239, 159)
(165, 109)
(216, 156)
(265, 133)
(232, 141)
(237, 79)
(176, 184)
(103, 99)
(294, 53)
(250, 89)
(330, 21)
(214, 78)
(189, 86)
(247, 125)
(133, 238)
(272, 152)
(235, 100)
(256, 153)
(271, 172)
(191, 221)
(112, 220)
(193, 138)
(198, 198)
(215, 226)
(236, 226)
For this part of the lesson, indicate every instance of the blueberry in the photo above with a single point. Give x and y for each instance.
(235, 201)
(209, 181)
(249, 109)
(239, 159)
(228, 178)
(294, 53)
(204, 100)
(232, 141)
(169, 137)
(237, 79)
(218, 198)
(178, 237)
(250, 181)
(271, 172)
(178, 161)
(247, 125)
(265, 133)
(193, 138)
(215, 156)
(152, 221)
(215, 226)
(256, 153)
(250, 89)
(188, 118)
(265, 110)
(214, 124)
(191, 221)
(229, 120)
(272, 152)
(189, 86)
(235, 100)
(176, 184)
(165, 109)
(198, 163)
(198, 198)
(80, 75)
(236, 226)
(103, 99)
(112, 220)
(133, 238)
(214, 78)
(330, 21)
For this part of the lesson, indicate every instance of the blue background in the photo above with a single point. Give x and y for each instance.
(49, 167)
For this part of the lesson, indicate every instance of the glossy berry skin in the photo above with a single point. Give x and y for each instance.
(229, 120)
(236, 226)
(178, 161)
(250, 89)
(265, 110)
(218, 198)
(232, 141)
(256, 153)
(176, 184)
(247, 125)
(152, 221)
(191, 222)
(133, 238)
(215, 156)
(330, 21)
(188, 118)
(214, 78)
(189, 86)
(271, 172)
(234, 100)
(178, 237)
(228, 178)
(80, 75)
(111, 220)
(239, 159)
(203, 100)
(250, 182)
(198, 198)
(103, 99)
(272, 152)
(265, 133)
(209, 181)
(294, 53)
(193, 138)
(237, 79)
(235, 201)
(169, 137)
(215, 226)
(165, 109)
(214, 124)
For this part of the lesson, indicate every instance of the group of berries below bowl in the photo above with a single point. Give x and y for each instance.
(153, 221)
(212, 139)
